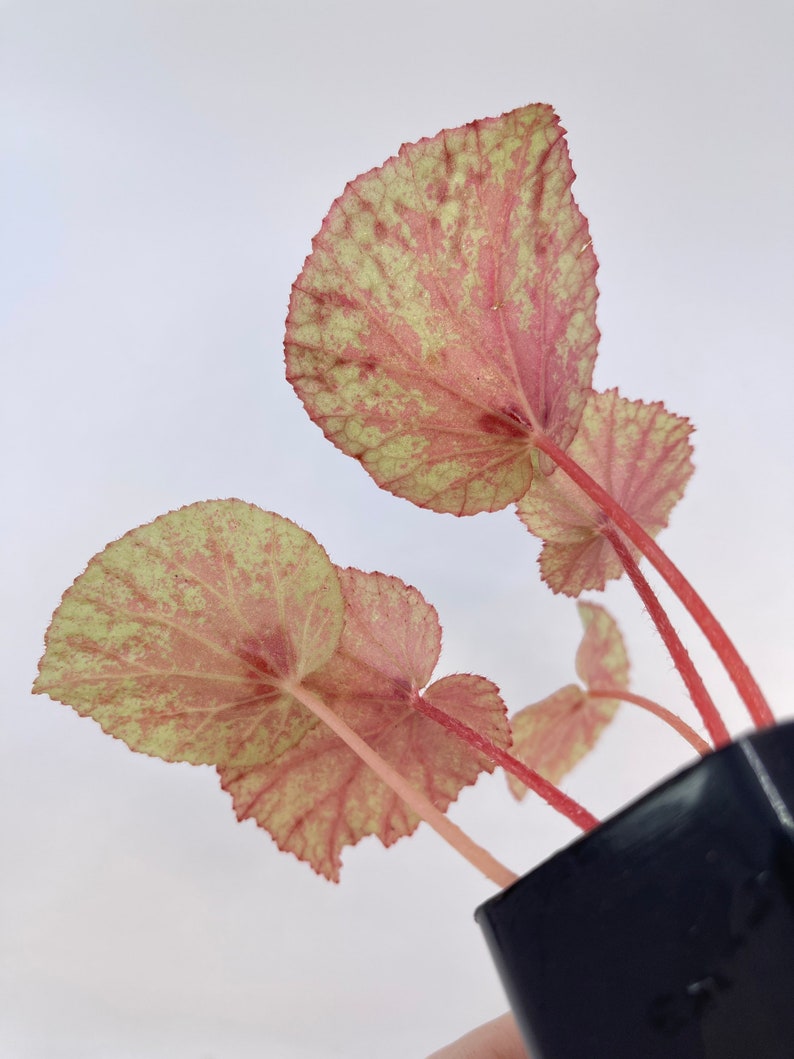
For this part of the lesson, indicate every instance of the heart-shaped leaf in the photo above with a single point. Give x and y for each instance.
(641, 454)
(554, 734)
(448, 307)
(176, 637)
(319, 797)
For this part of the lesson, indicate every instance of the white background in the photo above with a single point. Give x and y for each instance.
(164, 166)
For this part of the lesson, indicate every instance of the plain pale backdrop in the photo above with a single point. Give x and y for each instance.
(164, 167)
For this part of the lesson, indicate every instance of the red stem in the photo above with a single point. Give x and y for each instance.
(734, 664)
(415, 799)
(704, 704)
(683, 729)
(575, 812)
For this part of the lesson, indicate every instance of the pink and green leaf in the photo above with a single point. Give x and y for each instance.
(319, 797)
(389, 629)
(641, 454)
(447, 309)
(194, 637)
(177, 636)
(555, 734)
(601, 660)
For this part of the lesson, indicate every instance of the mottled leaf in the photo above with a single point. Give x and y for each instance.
(641, 454)
(447, 307)
(175, 638)
(218, 633)
(319, 797)
(554, 734)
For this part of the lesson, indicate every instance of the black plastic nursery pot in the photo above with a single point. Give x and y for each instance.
(667, 931)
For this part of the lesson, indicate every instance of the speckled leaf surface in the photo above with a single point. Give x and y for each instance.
(319, 797)
(176, 636)
(192, 637)
(641, 454)
(553, 735)
(448, 305)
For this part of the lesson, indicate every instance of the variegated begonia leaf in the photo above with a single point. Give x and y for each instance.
(641, 454)
(176, 636)
(554, 734)
(319, 797)
(446, 309)
(193, 639)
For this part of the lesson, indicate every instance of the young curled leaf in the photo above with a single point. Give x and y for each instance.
(447, 309)
(554, 734)
(601, 660)
(319, 797)
(641, 454)
(176, 636)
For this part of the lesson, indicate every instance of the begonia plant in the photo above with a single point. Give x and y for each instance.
(443, 333)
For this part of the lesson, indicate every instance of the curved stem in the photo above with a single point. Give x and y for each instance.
(695, 741)
(734, 664)
(421, 805)
(703, 702)
(564, 804)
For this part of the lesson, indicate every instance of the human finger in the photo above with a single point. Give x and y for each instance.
(498, 1039)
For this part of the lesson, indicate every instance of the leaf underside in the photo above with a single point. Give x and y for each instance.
(184, 637)
(641, 454)
(319, 797)
(555, 734)
(175, 636)
(447, 307)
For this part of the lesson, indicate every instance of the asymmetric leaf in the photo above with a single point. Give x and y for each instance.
(553, 735)
(220, 634)
(319, 796)
(175, 637)
(447, 308)
(641, 454)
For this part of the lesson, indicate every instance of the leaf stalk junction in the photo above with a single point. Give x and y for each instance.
(421, 805)
(734, 664)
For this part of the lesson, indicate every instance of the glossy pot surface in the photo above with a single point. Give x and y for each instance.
(668, 931)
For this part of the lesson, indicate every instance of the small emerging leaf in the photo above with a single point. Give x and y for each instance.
(601, 660)
(319, 797)
(641, 454)
(175, 637)
(447, 307)
(554, 734)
